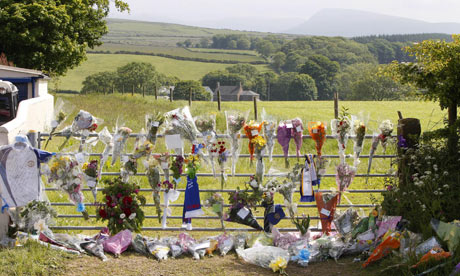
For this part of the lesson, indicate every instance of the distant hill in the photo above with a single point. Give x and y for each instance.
(351, 23)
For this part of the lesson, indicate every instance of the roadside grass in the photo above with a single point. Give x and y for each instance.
(33, 259)
(185, 70)
(131, 110)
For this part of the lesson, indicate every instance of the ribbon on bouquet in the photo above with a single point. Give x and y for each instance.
(308, 180)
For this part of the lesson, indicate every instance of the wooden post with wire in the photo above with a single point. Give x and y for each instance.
(190, 97)
(143, 91)
(255, 107)
(171, 94)
(156, 93)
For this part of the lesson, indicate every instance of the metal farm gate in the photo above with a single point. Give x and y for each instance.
(38, 138)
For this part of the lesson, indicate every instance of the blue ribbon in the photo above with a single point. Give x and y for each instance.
(80, 207)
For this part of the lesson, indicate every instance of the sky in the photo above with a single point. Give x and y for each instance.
(199, 11)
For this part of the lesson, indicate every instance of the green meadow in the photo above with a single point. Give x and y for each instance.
(185, 70)
(130, 111)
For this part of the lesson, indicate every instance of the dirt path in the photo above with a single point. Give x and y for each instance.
(133, 264)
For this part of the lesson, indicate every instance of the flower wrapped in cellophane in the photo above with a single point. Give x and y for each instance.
(206, 124)
(35, 213)
(259, 145)
(341, 130)
(317, 132)
(216, 202)
(290, 129)
(252, 130)
(66, 175)
(344, 176)
(143, 148)
(153, 176)
(107, 139)
(170, 193)
(83, 124)
(358, 132)
(60, 114)
(386, 128)
(119, 142)
(128, 168)
(153, 123)
(235, 122)
(180, 121)
(90, 172)
(221, 152)
(269, 133)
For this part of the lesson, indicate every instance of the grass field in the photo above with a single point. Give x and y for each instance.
(131, 111)
(211, 54)
(185, 70)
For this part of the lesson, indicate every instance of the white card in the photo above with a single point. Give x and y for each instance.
(174, 141)
(325, 212)
(155, 124)
(80, 157)
(243, 212)
(254, 184)
(315, 130)
(298, 129)
(254, 132)
(288, 124)
(124, 158)
(164, 165)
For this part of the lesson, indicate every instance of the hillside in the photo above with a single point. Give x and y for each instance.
(349, 23)
(130, 32)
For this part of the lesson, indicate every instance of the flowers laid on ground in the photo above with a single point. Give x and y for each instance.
(121, 206)
(82, 124)
(90, 170)
(152, 124)
(235, 122)
(259, 145)
(341, 129)
(358, 131)
(252, 130)
(67, 176)
(317, 132)
(119, 142)
(34, 212)
(386, 128)
(279, 265)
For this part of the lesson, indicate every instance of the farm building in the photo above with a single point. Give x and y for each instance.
(234, 93)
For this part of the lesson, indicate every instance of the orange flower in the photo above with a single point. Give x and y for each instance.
(252, 130)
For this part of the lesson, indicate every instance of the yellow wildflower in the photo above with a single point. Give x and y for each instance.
(279, 264)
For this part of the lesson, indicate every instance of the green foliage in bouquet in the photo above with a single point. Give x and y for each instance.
(121, 206)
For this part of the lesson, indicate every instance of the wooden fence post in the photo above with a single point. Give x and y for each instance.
(156, 93)
(218, 99)
(255, 107)
(122, 89)
(336, 105)
(143, 91)
(171, 94)
(190, 97)
(132, 91)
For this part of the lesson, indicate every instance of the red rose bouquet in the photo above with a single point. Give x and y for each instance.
(121, 206)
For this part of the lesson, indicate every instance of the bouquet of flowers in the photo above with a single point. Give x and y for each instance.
(317, 132)
(153, 176)
(59, 116)
(216, 202)
(269, 133)
(106, 138)
(66, 175)
(344, 176)
(207, 126)
(121, 206)
(129, 167)
(177, 169)
(119, 142)
(143, 146)
(180, 121)
(90, 171)
(222, 155)
(192, 206)
(239, 211)
(297, 132)
(235, 122)
(358, 130)
(36, 212)
(259, 145)
(83, 124)
(286, 130)
(386, 128)
(171, 194)
(252, 130)
(341, 129)
(152, 124)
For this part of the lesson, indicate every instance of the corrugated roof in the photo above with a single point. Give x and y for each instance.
(24, 70)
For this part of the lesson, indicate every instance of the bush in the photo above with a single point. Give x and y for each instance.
(428, 187)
